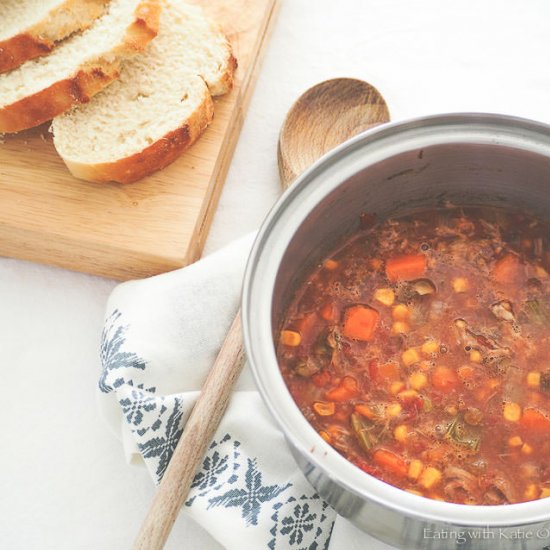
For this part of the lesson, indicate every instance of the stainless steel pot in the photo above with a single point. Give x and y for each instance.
(466, 159)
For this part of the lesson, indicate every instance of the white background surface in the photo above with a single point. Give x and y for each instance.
(63, 480)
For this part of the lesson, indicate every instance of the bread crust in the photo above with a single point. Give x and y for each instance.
(90, 79)
(155, 157)
(40, 38)
(226, 82)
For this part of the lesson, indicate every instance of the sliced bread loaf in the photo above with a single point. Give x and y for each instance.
(78, 68)
(157, 108)
(30, 28)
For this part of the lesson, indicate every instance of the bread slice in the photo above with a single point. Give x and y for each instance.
(160, 105)
(30, 28)
(78, 68)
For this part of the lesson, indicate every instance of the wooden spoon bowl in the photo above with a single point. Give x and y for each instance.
(323, 117)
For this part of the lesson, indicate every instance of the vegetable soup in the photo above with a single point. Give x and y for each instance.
(420, 350)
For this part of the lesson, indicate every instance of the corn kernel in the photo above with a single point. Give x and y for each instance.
(400, 327)
(429, 347)
(331, 265)
(400, 312)
(385, 296)
(526, 449)
(415, 469)
(452, 410)
(460, 284)
(531, 491)
(418, 380)
(475, 356)
(410, 357)
(325, 436)
(515, 441)
(290, 338)
(544, 492)
(534, 397)
(393, 409)
(430, 477)
(400, 433)
(396, 387)
(512, 412)
(533, 379)
(414, 492)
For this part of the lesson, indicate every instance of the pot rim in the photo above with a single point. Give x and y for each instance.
(267, 252)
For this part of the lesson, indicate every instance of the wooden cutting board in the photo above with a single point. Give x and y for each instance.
(130, 231)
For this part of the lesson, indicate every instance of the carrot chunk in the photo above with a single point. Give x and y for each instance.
(508, 269)
(360, 323)
(444, 379)
(383, 371)
(347, 389)
(535, 422)
(391, 462)
(329, 312)
(404, 268)
(366, 411)
(329, 264)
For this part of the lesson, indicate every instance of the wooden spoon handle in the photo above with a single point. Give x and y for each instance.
(198, 433)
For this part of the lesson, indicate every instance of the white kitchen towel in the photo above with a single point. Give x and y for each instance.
(161, 336)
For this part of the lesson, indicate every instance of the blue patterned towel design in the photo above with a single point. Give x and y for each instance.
(249, 492)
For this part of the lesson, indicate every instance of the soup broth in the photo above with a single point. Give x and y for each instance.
(420, 350)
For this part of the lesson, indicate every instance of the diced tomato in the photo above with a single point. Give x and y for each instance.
(413, 405)
(508, 269)
(347, 389)
(365, 466)
(535, 422)
(391, 462)
(405, 268)
(308, 326)
(322, 379)
(444, 379)
(437, 454)
(360, 323)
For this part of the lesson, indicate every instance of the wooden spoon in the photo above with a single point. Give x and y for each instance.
(197, 434)
(325, 116)
(322, 118)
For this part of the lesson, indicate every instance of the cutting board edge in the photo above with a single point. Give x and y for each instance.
(130, 264)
